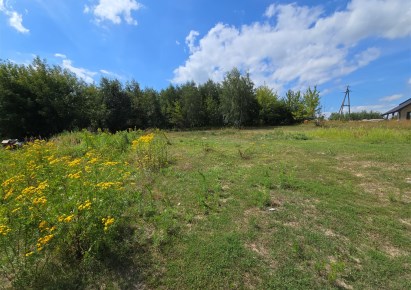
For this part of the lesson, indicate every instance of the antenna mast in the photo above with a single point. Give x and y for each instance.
(346, 97)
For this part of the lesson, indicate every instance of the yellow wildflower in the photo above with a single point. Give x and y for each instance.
(4, 230)
(68, 218)
(42, 226)
(15, 210)
(43, 185)
(85, 205)
(92, 160)
(74, 162)
(29, 254)
(107, 222)
(145, 139)
(12, 180)
(53, 161)
(8, 193)
(29, 190)
(43, 241)
(74, 175)
(110, 163)
(87, 169)
(40, 200)
(106, 185)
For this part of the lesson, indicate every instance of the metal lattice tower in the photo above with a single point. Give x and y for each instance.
(344, 104)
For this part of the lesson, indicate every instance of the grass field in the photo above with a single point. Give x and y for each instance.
(299, 207)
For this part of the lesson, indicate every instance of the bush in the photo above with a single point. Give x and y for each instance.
(64, 209)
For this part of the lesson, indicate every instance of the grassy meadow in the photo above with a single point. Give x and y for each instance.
(298, 207)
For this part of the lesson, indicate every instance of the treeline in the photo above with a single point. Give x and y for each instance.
(39, 99)
(356, 116)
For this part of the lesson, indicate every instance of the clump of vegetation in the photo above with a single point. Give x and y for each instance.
(65, 208)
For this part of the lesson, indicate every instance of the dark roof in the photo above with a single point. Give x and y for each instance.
(399, 107)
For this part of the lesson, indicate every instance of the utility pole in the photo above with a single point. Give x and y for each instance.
(346, 97)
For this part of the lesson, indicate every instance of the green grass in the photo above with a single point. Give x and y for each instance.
(299, 207)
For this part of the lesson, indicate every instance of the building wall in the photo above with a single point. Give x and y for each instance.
(404, 111)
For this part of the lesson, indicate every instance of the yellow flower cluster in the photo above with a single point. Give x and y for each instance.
(75, 162)
(93, 160)
(66, 219)
(40, 200)
(85, 205)
(12, 180)
(41, 242)
(8, 193)
(31, 190)
(110, 163)
(74, 175)
(4, 230)
(145, 139)
(29, 254)
(43, 226)
(107, 222)
(106, 185)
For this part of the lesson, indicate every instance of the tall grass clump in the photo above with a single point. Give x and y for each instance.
(388, 132)
(150, 151)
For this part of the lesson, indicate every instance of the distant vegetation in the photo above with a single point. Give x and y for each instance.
(40, 99)
(356, 116)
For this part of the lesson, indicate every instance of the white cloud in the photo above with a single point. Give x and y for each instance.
(111, 74)
(409, 81)
(60, 55)
(15, 18)
(297, 44)
(114, 11)
(270, 11)
(190, 39)
(82, 73)
(391, 98)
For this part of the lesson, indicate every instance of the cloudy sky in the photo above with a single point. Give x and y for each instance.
(284, 44)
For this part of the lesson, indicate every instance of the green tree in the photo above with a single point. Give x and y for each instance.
(192, 105)
(117, 105)
(238, 103)
(152, 111)
(40, 100)
(267, 100)
(168, 98)
(295, 105)
(311, 101)
(210, 93)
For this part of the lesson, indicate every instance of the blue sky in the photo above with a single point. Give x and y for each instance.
(284, 44)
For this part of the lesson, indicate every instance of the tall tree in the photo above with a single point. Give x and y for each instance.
(311, 100)
(151, 105)
(168, 99)
(192, 105)
(211, 93)
(40, 100)
(294, 103)
(238, 103)
(117, 105)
